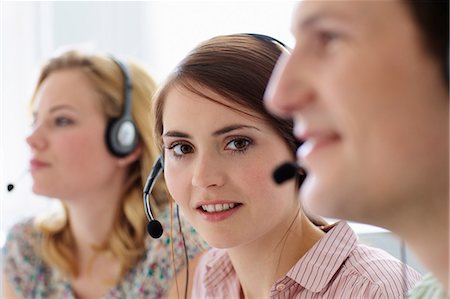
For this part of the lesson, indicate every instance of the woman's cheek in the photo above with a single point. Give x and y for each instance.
(175, 185)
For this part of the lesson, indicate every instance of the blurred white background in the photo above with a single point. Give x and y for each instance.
(157, 33)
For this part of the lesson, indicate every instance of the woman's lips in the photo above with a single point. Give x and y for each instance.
(36, 164)
(218, 211)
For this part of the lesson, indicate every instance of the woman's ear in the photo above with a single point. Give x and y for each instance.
(132, 157)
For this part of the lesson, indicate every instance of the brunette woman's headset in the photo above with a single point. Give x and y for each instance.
(121, 133)
(154, 227)
(289, 169)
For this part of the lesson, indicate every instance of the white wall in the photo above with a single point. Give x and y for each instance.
(158, 33)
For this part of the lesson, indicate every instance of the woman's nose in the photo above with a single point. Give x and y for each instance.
(208, 173)
(36, 139)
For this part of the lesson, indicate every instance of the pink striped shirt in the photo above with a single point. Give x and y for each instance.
(335, 267)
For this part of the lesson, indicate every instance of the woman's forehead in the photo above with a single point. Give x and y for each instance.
(204, 104)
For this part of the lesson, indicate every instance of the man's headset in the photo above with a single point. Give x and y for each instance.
(121, 134)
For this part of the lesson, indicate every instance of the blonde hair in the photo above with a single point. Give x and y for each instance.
(126, 240)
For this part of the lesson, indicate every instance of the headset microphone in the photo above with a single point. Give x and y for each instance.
(10, 187)
(154, 227)
(285, 172)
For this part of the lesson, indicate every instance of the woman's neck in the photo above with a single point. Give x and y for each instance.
(92, 220)
(91, 217)
(273, 256)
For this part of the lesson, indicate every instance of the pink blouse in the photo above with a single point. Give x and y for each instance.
(335, 267)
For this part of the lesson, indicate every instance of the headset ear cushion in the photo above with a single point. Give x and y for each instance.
(121, 136)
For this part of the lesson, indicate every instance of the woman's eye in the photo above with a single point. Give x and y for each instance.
(63, 121)
(181, 149)
(239, 144)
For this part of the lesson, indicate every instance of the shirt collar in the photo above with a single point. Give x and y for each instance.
(218, 268)
(325, 258)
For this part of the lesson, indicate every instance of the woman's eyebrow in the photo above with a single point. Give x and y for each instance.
(176, 134)
(230, 128)
(218, 132)
(54, 109)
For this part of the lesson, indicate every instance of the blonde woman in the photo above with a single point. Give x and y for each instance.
(97, 246)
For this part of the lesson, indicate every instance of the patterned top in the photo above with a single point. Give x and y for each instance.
(30, 277)
(428, 288)
(335, 267)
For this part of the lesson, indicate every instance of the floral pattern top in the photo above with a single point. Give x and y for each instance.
(30, 277)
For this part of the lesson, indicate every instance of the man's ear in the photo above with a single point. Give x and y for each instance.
(132, 157)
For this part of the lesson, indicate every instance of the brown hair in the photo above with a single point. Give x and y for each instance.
(432, 20)
(237, 67)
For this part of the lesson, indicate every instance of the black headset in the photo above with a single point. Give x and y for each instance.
(154, 227)
(121, 133)
(287, 170)
(269, 39)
